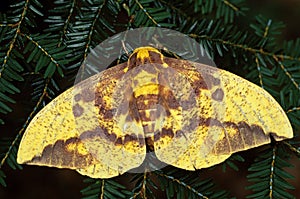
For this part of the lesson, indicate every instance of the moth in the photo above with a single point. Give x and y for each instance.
(190, 115)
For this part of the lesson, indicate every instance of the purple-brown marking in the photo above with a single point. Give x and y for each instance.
(58, 154)
(167, 132)
(88, 95)
(77, 110)
(218, 95)
(216, 81)
(77, 97)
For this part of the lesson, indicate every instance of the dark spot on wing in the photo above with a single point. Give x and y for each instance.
(77, 110)
(87, 94)
(218, 95)
(77, 97)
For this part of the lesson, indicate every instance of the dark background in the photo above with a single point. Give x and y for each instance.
(42, 182)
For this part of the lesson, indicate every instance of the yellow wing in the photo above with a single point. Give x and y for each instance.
(191, 115)
(229, 114)
(77, 131)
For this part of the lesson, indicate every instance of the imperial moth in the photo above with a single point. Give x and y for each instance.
(190, 115)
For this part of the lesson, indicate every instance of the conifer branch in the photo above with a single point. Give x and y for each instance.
(293, 109)
(102, 189)
(147, 14)
(91, 31)
(236, 9)
(141, 190)
(44, 51)
(259, 71)
(17, 31)
(245, 47)
(174, 8)
(9, 25)
(271, 179)
(292, 148)
(181, 183)
(67, 23)
(286, 72)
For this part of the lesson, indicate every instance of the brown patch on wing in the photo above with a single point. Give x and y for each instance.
(218, 95)
(119, 141)
(259, 134)
(77, 97)
(60, 154)
(88, 95)
(245, 136)
(133, 138)
(165, 132)
(77, 110)
(106, 113)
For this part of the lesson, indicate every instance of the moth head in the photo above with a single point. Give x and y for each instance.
(145, 55)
